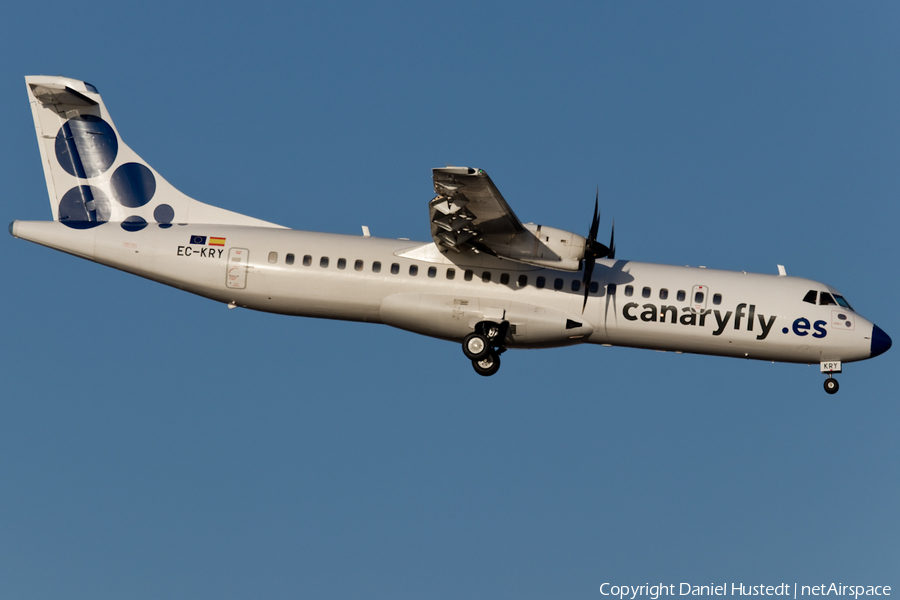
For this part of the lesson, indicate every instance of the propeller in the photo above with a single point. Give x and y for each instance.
(594, 249)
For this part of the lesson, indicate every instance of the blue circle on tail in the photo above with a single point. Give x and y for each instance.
(134, 224)
(132, 185)
(164, 214)
(83, 207)
(86, 146)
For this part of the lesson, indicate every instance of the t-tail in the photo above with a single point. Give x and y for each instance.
(93, 177)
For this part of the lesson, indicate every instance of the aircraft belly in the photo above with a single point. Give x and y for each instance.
(453, 316)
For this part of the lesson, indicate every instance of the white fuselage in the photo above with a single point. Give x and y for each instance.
(413, 286)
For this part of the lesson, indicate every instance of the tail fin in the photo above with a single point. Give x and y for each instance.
(93, 176)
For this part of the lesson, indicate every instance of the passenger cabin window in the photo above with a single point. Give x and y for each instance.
(395, 268)
(663, 293)
(523, 280)
(358, 265)
(486, 276)
(595, 287)
(289, 259)
(342, 263)
(811, 296)
(698, 298)
(576, 285)
(307, 260)
(826, 299)
(629, 290)
(376, 267)
(273, 257)
(432, 272)
(557, 284)
(717, 298)
(413, 270)
(540, 283)
(504, 278)
(323, 262)
(611, 289)
(681, 295)
(645, 293)
(468, 275)
(451, 273)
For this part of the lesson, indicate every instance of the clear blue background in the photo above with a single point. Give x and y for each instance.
(154, 444)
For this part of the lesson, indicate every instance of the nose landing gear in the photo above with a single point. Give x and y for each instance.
(484, 346)
(830, 368)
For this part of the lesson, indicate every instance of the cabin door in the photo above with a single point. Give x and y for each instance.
(236, 268)
(699, 297)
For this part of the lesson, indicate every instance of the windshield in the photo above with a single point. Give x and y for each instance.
(842, 302)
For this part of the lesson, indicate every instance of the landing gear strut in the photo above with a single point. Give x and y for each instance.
(484, 346)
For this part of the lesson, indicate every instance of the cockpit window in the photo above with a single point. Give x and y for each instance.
(825, 299)
(842, 302)
(811, 296)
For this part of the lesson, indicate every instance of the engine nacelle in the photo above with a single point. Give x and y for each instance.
(542, 246)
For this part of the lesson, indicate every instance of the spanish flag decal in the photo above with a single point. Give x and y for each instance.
(214, 241)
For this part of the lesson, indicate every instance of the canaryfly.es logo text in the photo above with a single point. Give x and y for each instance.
(655, 591)
(743, 316)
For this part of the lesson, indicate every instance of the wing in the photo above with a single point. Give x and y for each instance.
(469, 212)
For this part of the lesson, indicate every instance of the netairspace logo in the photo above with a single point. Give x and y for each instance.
(654, 592)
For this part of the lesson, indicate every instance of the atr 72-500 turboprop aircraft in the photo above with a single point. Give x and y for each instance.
(486, 281)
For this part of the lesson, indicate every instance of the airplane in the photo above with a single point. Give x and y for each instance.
(486, 281)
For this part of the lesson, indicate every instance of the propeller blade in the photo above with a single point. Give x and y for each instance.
(595, 222)
(612, 242)
(588, 273)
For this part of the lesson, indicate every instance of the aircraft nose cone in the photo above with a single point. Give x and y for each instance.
(881, 342)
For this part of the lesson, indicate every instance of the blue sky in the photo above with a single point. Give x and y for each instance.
(155, 444)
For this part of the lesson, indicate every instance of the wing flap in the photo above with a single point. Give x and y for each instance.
(468, 209)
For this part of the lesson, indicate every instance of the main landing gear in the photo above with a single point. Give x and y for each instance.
(831, 385)
(485, 345)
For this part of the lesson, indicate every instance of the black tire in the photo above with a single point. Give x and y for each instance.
(488, 365)
(475, 346)
(831, 385)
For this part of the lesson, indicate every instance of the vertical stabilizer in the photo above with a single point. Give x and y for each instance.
(93, 177)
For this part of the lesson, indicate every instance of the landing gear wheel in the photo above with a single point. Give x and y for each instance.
(475, 346)
(488, 365)
(831, 385)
